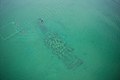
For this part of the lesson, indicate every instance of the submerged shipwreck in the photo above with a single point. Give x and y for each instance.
(59, 47)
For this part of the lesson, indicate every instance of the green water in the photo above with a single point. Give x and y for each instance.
(90, 27)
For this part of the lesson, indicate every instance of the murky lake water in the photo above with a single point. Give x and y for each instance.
(88, 30)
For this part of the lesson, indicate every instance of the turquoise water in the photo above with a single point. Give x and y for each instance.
(90, 27)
